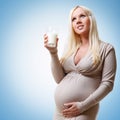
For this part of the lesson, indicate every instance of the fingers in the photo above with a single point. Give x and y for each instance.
(52, 50)
(45, 40)
(57, 41)
(68, 105)
(70, 110)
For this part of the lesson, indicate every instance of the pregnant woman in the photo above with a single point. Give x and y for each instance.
(85, 74)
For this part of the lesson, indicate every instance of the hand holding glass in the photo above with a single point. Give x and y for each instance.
(52, 37)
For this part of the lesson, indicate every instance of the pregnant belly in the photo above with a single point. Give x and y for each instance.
(74, 87)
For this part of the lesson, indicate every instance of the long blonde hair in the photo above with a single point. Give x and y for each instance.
(74, 41)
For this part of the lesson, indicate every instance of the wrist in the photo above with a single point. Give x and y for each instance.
(53, 52)
(80, 106)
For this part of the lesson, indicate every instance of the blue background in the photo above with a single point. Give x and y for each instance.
(26, 84)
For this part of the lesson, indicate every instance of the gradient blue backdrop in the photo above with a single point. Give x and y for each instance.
(26, 84)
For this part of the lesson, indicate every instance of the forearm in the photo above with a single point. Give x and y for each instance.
(56, 68)
(103, 90)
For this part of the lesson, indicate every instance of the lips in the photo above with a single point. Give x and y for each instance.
(80, 27)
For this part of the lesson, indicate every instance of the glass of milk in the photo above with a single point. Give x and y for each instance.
(52, 37)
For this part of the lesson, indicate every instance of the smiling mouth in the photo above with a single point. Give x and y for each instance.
(80, 27)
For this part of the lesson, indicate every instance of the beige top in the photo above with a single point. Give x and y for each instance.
(84, 83)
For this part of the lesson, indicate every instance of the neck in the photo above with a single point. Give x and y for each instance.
(84, 40)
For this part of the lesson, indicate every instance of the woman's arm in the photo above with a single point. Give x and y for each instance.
(56, 67)
(108, 76)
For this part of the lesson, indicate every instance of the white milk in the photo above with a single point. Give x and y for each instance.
(52, 37)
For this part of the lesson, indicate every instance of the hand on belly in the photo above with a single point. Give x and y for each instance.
(73, 90)
(71, 110)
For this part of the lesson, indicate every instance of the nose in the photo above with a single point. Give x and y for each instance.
(78, 21)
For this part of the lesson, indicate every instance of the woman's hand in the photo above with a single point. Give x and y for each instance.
(52, 50)
(71, 110)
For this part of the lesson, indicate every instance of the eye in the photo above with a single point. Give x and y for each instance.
(73, 19)
(82, 16)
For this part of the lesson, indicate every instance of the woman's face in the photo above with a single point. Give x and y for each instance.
(80, 22)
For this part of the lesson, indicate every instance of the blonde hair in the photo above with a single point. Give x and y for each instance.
(74, 41)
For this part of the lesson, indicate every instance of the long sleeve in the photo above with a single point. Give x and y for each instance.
(56, 68)
(107, 82)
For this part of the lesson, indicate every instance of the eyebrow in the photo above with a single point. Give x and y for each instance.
(79, 15)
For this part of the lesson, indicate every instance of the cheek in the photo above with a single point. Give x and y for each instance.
(73, 26)
(88, 23)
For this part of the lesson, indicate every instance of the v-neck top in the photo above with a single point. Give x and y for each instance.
(84, 78)
(75, 54)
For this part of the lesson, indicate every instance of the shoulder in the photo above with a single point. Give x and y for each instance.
(106, 47)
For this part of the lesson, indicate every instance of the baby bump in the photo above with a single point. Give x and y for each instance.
(74, 87)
